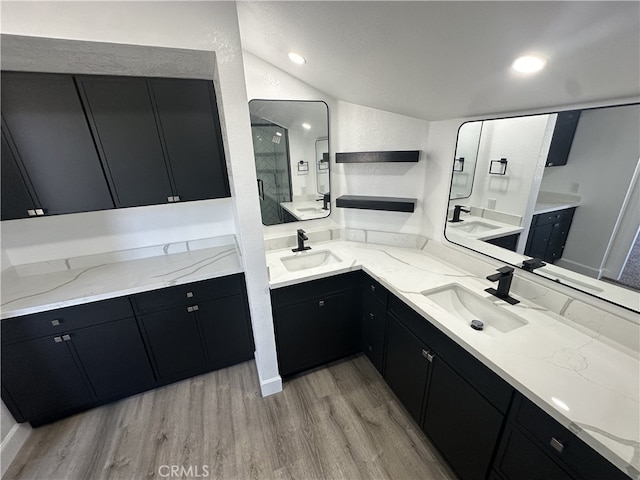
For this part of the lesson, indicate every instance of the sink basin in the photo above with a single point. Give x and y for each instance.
(309, 259)
(473, 226)
(466, 305)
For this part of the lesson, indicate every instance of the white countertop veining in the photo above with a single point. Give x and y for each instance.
(49, 285)
(585, 380)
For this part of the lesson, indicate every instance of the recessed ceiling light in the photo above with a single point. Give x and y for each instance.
(529, 64)
(297, 58)
(306, 126)
(279, 134)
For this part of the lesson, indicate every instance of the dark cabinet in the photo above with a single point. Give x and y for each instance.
(316, 322)
(510, 242)
(159, 138)
(535, 447)
(373, 326)
(16, 201)
(44, 122)
(454, 406)
(57, 362)
(406, 367)
(562, 139)
(197, 327)
(548, 235)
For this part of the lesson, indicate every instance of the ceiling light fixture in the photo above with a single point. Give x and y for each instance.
(529, 64)
(297, 58)
(306, 126)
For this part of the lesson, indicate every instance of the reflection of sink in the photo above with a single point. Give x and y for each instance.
(474, 226)
(305, 260)
(466, 306)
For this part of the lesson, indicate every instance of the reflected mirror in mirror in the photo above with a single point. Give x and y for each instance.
(561, 187)
(291, 148)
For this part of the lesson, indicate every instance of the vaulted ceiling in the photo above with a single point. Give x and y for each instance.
(439, 60)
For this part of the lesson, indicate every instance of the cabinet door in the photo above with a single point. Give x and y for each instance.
(558, 239)
(406, 366)
(43, 377)
(521, 459)
(16, 199)
(45, 119)
(299, 336)
(460, 422)
(189, 120)
(373, 330)
(114, 357)
(123, 119)
(538, 241)
(226, 331)
(175, 342)
(341, 325)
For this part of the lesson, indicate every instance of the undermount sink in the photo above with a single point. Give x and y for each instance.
(474, 226)
(309, 259)
(466, 306)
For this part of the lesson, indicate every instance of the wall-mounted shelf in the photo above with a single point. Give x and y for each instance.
(391, 204)
(378, 157)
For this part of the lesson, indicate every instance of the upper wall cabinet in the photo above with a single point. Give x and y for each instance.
(46, 134)
(82, 143)
(159, 138)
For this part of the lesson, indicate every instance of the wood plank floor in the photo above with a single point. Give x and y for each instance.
(336, 422)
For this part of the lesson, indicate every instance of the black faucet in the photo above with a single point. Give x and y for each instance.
(531, 264)
(301, 238)
(503, 278)
(326, 199)
(456, 213)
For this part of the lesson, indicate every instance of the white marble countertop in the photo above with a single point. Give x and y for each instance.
(489, 228)
(553, 201)
(583, 379)
(49, 285)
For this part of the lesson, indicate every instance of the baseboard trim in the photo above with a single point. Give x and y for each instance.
(12, 444)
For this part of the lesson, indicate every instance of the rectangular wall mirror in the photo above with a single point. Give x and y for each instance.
(561, 187)
(291, 148)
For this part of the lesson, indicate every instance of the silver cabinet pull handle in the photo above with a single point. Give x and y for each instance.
(39, 212)
(425, 354)
(196, 308)
(66, 338)
(430, 357)
(170, 199)
(55, 322)
(189, 309)
(321, 303)
(31, 213)
(57, 339)
(557, 445)
(372, 316)
(176, 198)
(189, 294)
(373, 288)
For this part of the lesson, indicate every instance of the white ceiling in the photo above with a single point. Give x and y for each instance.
(441, 60)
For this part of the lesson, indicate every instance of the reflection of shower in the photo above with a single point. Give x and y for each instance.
(271, 147)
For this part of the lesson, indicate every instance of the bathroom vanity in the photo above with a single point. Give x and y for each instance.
(524, 398)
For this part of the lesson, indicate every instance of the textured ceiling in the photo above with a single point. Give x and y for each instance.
(440, 60)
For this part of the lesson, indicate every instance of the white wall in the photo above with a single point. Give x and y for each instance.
(603, 170)
(205, 26)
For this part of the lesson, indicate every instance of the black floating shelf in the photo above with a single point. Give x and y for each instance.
(378, 157)
(390, 204)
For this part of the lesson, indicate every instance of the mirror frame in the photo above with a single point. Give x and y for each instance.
(321, 137)
(524, 257)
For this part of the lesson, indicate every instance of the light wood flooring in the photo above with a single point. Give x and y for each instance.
(336, 422)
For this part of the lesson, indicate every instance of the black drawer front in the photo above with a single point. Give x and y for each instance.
(188, 294)
(315, 289)
(552, 217)
(62, 320)
(375, 289)
(576, 454)
(490, 385)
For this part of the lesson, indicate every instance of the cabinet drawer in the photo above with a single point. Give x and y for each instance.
(322, 287)
(64, 319)
(373, 316)
(552, 217)
(188, 294)
(559, 443)
(375, 289)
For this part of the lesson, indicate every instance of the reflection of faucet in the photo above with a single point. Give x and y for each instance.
(301, 238)
(456, 213)
(531, 264)
(503, 278)
(326, 198)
